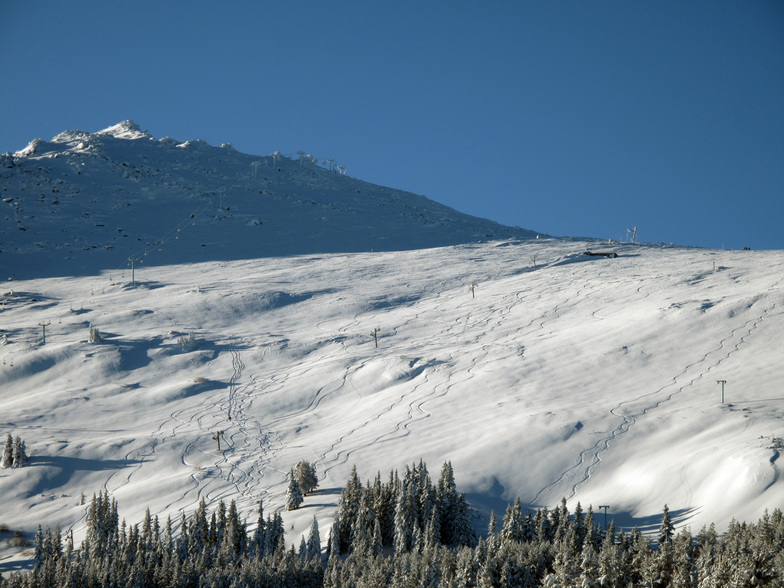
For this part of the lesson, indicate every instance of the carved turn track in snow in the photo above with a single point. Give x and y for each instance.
(590, 459)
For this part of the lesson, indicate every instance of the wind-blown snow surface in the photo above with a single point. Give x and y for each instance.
(588, 378)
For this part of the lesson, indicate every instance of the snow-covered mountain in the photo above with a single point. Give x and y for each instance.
(537, 370)
(82, 203)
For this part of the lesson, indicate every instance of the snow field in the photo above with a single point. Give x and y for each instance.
(591, 379)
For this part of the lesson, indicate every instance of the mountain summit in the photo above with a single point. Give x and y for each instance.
(126, 130)
(86, 202)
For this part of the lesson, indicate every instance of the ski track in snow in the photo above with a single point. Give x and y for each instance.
(434, 339)
(590, 459)
(240, 439)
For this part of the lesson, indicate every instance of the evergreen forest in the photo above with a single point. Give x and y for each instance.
(403, 532)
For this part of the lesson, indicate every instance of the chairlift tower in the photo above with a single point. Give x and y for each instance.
(633, 232)
(133, 259)
(605, 507)
(722, 382)
(43, 326)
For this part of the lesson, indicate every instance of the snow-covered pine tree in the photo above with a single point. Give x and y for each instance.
(8, 452)
(259, 535)
(684, 574)
(428, 506)
(610, 560)
(102, 526)
(363, 525)
(405, 520)
(384, 507)
(593, 534)
(19, 453)
(94, 336)
(275, 534)
(38, 553)
(198, 531)
(333, 541)
(294, 493)
(234, 539)
(306, 477)
(541, 526)
(589, 566)
(579, 525)
(561, 522)
(467, 567)
(513, 523)
(446, 492)
(463, 532)
(348, 507)
(667, 530)
(429, 539)
(492, 527)
(377, 547)
(314, 541)
(529, 527)
(57, 543)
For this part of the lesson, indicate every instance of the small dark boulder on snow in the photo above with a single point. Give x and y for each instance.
(601, 253)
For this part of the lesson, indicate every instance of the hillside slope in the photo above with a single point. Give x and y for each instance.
(86, 202)
(587, 378)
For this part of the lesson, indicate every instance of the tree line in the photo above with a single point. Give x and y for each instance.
(405, 532)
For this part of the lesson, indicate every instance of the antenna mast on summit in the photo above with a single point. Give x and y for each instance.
(633, 231)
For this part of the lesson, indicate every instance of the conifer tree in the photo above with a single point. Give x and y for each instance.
(333, 541)
(639, 553)
(492, 526)
(348, 507)
(592, 532)
(57, 543)
(198, 531)
(314, 541)
(666, 531)
(377, 546)
(589, 566)
(684, 572)
(303, 548)
(610, 560)
(102, 526)
(306, 477)
(384, 507)
(544, 531)
(8, 452)
(446, 494)
(405, 520)
(259, 533)
(275, 534)
(560, 521)
(19, 453)
(38, 553)
(579, 525)
(294, 493)
(233, 540)
(463, 529)
(513, 523)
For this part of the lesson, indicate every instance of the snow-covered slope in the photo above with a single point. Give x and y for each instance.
(557, 375)
(587, 378)
(84, 202)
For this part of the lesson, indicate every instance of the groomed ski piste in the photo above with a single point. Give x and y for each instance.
(538, 371)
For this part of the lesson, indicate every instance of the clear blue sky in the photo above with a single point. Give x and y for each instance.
(569, 118)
